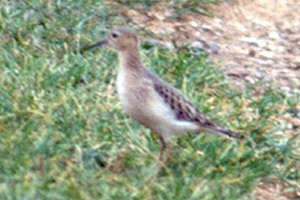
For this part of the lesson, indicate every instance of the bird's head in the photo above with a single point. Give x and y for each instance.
(120, 39)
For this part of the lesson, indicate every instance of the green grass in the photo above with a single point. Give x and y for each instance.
(63, 134)
(180, 6)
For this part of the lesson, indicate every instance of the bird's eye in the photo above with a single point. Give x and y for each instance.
(114, 35)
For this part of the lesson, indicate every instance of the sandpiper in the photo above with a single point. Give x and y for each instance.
(149, 100)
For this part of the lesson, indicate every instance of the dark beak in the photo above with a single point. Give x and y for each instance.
(98, 44)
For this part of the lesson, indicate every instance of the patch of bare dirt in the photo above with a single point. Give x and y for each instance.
(263, 41)
(252, 41)
(274, 190)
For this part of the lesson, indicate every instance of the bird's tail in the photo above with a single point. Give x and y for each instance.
(228, 133)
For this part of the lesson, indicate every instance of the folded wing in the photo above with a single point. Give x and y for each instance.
(186, 111)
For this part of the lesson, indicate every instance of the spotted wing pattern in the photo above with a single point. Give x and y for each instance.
(183, 108)
(186, 111)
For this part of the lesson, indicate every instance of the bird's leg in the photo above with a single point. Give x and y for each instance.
(170, 153)
(162, 149)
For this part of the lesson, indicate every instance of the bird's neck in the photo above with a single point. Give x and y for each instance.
(130, 60)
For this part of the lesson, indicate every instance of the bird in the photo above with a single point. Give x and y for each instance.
(149, 100)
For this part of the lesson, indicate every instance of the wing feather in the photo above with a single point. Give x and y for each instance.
(185, 110)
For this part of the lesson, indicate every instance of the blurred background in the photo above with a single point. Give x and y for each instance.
(63, 134)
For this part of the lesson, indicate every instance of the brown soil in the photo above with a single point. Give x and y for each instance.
(253, 40)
